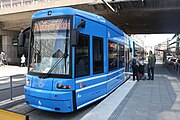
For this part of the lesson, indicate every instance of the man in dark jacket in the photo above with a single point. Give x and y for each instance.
(151, 65)
(135, 67)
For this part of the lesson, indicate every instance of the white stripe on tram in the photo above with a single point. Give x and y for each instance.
(96, 77)
(91, 101)
(94, 85)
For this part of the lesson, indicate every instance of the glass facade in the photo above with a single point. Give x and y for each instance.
(174, 45)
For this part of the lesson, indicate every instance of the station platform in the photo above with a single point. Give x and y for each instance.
(157, 99)
(9, 70)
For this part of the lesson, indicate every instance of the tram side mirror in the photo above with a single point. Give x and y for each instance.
(21, 39)
(75, 37)
(22, 36)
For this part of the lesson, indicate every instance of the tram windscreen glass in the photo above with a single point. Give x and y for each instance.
(50, 41)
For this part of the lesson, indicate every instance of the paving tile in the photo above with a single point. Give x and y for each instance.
(169, 115)
(154, 100)
(176, 106)
(155, 117)
(178, 115)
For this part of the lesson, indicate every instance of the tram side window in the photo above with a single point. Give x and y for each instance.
(98, 55)
(121, 56)
(112, 55)
(82, 56)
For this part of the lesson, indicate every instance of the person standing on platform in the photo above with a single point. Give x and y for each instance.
(135, 67)
(151, 65)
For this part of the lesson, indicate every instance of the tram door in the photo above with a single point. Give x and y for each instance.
(89, 62)
(127, 59)
(127, 50)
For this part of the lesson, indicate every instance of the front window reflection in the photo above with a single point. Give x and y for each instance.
(51, 41)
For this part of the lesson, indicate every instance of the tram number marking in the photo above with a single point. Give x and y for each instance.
(79, 96)
(109, 34)
(39, 102)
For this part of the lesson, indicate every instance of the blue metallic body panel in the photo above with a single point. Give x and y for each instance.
(44, 94)
(48, 93)
(45, 84)
(49, 104)
(90, 88)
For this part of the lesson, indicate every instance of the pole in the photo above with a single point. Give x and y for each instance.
(22, 2)
(11, 3)
(11, 86)
(1, 5)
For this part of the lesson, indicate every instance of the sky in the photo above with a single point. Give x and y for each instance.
(154, 39)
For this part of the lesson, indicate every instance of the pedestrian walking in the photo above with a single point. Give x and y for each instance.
(135, 67)
(23, 60)
(4, 60)
(151, 65)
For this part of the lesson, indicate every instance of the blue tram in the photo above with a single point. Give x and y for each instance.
(75, 58)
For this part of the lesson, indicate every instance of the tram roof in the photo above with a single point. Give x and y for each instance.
(72, 11)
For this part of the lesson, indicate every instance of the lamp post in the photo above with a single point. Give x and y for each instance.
(168, 45)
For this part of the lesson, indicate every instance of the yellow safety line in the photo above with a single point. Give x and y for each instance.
(7, 115)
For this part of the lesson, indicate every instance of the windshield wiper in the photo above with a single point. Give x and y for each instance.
(54, 65)
(66, 49)
(65, 55)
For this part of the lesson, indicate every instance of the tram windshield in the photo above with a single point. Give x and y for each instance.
(50, 43)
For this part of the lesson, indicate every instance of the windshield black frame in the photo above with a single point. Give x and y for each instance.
(70, 17)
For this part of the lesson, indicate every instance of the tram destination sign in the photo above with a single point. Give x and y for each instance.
(51, 25)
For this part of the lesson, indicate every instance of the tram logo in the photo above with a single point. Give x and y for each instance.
(109, 34)
(40, 84)
(79, 96)
(39, 102)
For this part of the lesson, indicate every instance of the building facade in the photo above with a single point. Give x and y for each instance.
(174, 45)
(160, 49)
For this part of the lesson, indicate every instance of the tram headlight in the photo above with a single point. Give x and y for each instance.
(60, 86)
(27, 82)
